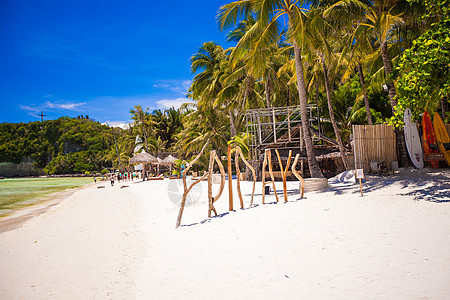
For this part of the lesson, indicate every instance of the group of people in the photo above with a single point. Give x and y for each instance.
(127, 176)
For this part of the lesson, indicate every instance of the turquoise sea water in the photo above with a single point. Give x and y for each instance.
(18, 192)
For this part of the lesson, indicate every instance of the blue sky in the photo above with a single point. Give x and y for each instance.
(99, 58)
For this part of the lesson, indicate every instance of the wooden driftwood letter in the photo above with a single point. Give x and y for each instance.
(284, 172)
(296, 174)
(238, 149)
(186, 189)
(268, 160)
(210, 173)
(238, 175)
(230, 180)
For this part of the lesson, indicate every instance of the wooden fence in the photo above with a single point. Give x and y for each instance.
(373, 143)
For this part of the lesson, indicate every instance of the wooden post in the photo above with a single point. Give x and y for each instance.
(269, 160)
(296, 174)
(360, 176)
(238, 174)
(284, 172)
(222, 178)
(238, 149)
(230, 183)
(289, 122)
(186, 189)
(274, 126)
(264, 176)
(210, 173)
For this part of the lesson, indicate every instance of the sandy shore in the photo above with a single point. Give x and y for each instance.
(121, 243)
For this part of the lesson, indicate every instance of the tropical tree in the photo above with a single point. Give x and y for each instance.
(142, 120)
(270, 15)
(320, 35)
(206, 123)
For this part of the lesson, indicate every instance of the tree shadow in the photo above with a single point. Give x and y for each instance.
(432, 186)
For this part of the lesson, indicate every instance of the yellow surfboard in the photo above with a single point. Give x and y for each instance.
(442, 137)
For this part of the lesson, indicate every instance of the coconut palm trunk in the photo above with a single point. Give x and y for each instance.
(401, 144)
(333, 120)
(366, 99)
(314, 168)
(233, 131)
(387, 63)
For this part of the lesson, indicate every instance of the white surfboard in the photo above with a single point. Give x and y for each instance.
(412, 140)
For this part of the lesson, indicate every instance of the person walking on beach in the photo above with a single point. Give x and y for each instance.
(112, 179)
(95, 179)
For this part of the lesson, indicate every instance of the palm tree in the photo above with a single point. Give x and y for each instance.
(211, 59)
(319, 34)
(269, 15)
(381, 18)
(142, 120)
(206, 123)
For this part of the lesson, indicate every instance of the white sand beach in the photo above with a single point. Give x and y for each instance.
(121, 243)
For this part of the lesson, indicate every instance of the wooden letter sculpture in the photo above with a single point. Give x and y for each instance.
(186, 188)
(268, 160)
(296, 174)
(230, 180)
(238, 173)
(213, 156)
(284, 172)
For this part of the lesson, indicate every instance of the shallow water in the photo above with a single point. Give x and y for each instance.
(19, 192)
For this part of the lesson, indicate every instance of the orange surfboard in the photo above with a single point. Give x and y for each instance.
(442, 137)
(429, 138)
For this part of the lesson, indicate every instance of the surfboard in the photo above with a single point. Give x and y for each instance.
(429, 138)
(412, 140)
(442, 137)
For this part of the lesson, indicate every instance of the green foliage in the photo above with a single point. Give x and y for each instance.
(423, 75)
(59, 146)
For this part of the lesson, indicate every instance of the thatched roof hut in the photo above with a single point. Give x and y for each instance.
(169, 160)
(143, 157)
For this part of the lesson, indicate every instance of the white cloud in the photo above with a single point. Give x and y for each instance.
(175, 103)
(65, 106)
(29, 108)
(173, 85)
(121, 124)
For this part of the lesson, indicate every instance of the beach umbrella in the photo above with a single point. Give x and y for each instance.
(144, 158)
(169, 160)
(160, 162)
